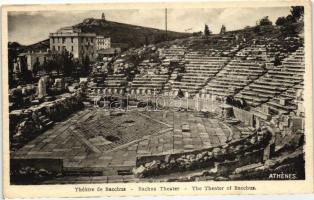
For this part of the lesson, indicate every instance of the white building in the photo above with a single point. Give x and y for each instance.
(102, 42)
(75, 41)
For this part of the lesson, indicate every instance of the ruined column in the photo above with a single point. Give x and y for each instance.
(41, 88)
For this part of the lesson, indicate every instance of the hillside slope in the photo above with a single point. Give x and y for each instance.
(38, 46)
(122, 35)
(130, 35)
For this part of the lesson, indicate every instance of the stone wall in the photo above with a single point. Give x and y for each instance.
(196, 104)
(237, 153)
(34, 171)
(49, 164)
(245, 116)
(26, 124)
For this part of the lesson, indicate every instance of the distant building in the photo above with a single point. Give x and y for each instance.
(30, 59)
(75, 41)
(102, 42)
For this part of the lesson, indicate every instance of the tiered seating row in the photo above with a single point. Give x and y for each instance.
(153, 81)
(287, 101)
(199, 68)
(237, 74)
(115, 81)
(275, 81)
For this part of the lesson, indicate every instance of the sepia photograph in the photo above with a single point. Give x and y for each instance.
(156, 95)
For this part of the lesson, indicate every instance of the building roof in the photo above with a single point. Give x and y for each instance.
(69, 29)
(33, 53)
(102, 37)
(109, 51)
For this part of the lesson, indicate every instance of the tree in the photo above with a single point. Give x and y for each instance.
(290, 29)
(297, 12)
(197, 33)
(85, 67)
(281, 21)
(67, 62)
(257, 29)
(78, 67)
(36, 68)
(27, 76)
(290, 19)
(265, 21)
(222, 30)
(207, 32)
(289, 24)
(64, 62)
(50, 66)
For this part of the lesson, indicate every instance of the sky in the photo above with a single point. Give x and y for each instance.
(31, 27)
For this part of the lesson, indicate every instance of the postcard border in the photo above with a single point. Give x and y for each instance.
(263, 187)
